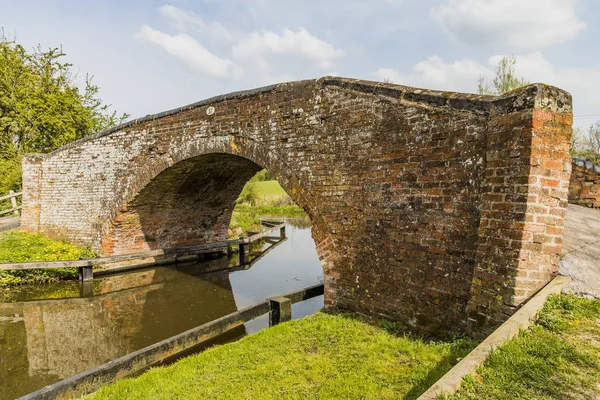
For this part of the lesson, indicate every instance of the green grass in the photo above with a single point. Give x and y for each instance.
(273, 211)
(324, 356)
(269, 189)
(558, 358)
(24, 247)
(246, 218)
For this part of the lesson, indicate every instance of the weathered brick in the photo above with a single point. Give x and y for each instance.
(424, 204)
(584, 188)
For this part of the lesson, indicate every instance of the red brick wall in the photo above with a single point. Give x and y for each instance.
(427, 207)
(584, 189)
(522, 219)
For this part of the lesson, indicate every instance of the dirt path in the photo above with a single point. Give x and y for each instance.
(581, 246)
(9, 223)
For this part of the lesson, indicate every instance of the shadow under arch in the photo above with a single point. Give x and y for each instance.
(190, 202)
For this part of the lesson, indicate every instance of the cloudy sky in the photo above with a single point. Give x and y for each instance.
(148, 56)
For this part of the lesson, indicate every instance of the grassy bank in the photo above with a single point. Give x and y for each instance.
(325, 356)
(24, 247)
(261, 199)
(246, 218)
(558, 358)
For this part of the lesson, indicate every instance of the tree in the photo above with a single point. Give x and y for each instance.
(586, 145)
(504, 80)
(41, 108)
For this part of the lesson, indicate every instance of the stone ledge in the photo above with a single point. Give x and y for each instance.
(586, 164)
(522, 319)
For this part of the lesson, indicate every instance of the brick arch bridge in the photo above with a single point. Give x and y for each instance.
(439, 209)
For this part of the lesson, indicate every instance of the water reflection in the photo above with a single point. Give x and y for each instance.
(46, 340)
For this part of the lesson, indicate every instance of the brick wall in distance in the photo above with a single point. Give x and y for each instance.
(584, 189)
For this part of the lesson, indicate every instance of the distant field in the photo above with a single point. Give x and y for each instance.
(269, 189)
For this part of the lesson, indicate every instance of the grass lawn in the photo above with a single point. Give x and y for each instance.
(246, 218)
(558, 358)
(269, 189)
(23, 247)
(324, 356)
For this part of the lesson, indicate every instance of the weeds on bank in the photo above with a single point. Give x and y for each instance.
(26, 247)
(260, 197)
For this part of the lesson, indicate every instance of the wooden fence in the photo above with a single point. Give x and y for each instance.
(278, 308)
(15, 210)
(86, 265)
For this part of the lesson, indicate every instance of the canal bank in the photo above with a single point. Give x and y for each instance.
(50, 334)
(344, 356)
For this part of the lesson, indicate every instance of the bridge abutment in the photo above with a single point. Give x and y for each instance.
(523, 204)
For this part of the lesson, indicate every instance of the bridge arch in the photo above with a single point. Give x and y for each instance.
(442, 210)
(191, 201)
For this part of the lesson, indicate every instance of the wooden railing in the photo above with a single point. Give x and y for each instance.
(278, 308)
(86, 265)
(12, 196)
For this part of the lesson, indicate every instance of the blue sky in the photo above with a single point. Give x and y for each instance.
(149, 56)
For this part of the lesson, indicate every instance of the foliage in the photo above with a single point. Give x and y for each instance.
(243, 222)
(245, 218)
(557, 358)
(259, 186)
(586, 145)
(273, 211)
(263, 191)
(325, 356)
(41, 108)
(262, 176)
(504, 80)
(249, 194)
(62, 290)
(24, 247)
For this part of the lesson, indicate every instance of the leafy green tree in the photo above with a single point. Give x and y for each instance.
(504, 80)
(41, 107)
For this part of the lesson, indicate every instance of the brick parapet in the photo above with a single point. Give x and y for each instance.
(584, 189)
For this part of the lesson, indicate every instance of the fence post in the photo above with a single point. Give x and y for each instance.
(13, 202)
(282, 232)
(85, 273)
(86, 288)
(281, 310)
(244, 250)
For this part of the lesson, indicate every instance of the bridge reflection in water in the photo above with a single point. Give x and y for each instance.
(48, 334)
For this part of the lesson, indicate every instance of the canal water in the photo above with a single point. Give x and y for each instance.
(49, 333)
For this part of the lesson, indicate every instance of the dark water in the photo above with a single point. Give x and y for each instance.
(49, 333)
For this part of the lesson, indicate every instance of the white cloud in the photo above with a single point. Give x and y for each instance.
(258, 46)
(270, 79)
(190, 51)
(271, 56)
(189, 21)
(435, 73)
(462, 75)
(524, 24)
